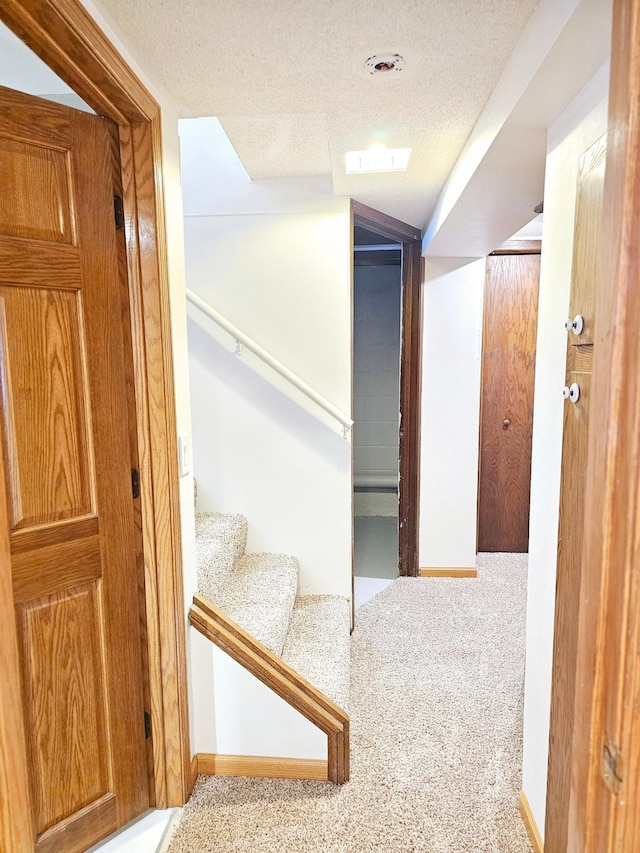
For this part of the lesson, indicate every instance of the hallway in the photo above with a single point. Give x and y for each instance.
(436, 713)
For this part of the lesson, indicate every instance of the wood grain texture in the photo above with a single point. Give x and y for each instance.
(43, 211)
(410, 395)
(194, 774)
(446, 572)
(157, 444)
(53, 534)
(16, 120)
(53, 267)
(580, 358)
(410, 376)
(105, 343)
(589, 203)
(575, 439)
(506, 420)
(380, 223)
(16, 828)
(64, 707)
(73, 834)
(45, 406)
(607, 681)
(282, 679)
(66, 441)
(259, 766)
(530, 824)
(519, 247)
(54, 568)
(565, 640)
(63, 34)
(134, 458)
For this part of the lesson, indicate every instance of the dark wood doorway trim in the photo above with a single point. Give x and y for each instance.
(63, 34)
(604, 808)
(410, 374)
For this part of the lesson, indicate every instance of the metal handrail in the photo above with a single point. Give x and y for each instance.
(243, 340)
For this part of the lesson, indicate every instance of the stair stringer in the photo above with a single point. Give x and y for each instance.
(257, 659)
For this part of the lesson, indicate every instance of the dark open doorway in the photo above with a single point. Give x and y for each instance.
(384, 229)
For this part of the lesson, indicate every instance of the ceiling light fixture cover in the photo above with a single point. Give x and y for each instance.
(385, 63)
(377, 159)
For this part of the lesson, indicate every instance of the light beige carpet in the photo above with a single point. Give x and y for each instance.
(436, 735)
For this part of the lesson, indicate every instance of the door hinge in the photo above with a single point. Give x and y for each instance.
(135, 482)
(147, 725)
(612, 766)
(118, 211)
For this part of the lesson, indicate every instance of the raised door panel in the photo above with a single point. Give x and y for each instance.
(65, 713)
(44, 406)
(64, 421)
(37, 201)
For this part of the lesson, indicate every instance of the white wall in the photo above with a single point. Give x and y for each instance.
(274, 258)
(584, 121)
(235, 714)
(260, 448)
(376, 373)
(452, 342)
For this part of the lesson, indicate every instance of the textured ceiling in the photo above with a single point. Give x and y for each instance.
(287, 81)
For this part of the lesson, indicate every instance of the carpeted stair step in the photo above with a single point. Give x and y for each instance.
(258, 592)
(220, 542)
(260, 596)
(318, 644)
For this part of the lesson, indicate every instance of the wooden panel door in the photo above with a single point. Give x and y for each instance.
(67, 473)
(506, 419)
(587, 228)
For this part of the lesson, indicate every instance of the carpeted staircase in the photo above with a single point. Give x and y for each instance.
(310, 633)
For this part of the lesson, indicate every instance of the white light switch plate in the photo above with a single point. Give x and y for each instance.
(184, 454)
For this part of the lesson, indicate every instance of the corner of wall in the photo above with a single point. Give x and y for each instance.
(452, 340)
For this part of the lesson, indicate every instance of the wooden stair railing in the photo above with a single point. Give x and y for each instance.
(228, 636)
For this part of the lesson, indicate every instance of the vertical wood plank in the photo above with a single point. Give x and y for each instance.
(151, 326)
(571, 530)
(580, 353)
(16, 827)
(587, 238)
(506, 426)
(607, 681)
(410, 380)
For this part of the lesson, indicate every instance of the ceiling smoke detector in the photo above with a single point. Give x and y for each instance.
(385, 63)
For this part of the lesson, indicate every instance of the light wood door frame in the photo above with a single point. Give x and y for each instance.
(579, 369)
(410, 375)
(607, 693)
(63, 34)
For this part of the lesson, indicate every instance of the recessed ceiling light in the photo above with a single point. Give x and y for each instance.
(385, 63)
(377, 159)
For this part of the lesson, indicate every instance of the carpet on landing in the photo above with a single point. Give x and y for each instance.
(436, 735)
